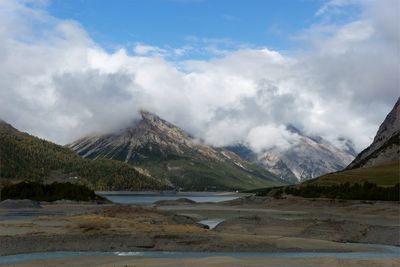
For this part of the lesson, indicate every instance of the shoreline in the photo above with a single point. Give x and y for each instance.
(167, 193)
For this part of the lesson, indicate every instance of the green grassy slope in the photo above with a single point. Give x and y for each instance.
(25, 157)
(386, 174)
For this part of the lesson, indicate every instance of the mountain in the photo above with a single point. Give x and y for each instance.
(309, 157)
(25, 157)
(385, 146)
(379, 163)
(163, 150)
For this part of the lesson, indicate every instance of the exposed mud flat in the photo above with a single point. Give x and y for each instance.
(251, 224)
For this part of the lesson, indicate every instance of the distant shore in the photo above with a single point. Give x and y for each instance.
(155, 192)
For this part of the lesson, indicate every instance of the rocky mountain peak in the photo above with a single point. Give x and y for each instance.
(152, 123)
(293, 129)
(150, 117)
(386, 144)
(309, 157)
(390, 125)
(164, 150)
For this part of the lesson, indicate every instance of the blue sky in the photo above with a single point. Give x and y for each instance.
(175, 23)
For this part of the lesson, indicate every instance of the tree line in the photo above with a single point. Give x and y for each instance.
(49, 192)
(365, 191)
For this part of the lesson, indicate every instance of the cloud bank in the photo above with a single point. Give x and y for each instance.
(57, 83)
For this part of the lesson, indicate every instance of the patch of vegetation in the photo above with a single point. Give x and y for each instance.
(93, 226)
(49, 192)
(366, 191)
(265, 191)
(25, 157)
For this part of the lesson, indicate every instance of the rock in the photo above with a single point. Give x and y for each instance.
(308, 157)
(180, 201)
(385, 147)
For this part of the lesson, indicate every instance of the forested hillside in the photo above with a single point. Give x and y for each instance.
(25, 157)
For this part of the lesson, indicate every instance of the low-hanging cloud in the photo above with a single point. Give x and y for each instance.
(57, 83)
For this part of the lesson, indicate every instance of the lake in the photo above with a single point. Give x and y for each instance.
(148, 198)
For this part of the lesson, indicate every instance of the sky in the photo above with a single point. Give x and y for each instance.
(178, 23)
(227, 72)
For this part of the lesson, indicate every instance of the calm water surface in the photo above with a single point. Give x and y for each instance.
(387, 252)
(150, 198)
(212, 223)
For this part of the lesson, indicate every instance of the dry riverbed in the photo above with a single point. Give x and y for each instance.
(251, 224)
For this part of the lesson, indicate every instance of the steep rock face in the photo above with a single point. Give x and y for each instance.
(164, 150)
(386, 144)
(149, 137)
(308, 158)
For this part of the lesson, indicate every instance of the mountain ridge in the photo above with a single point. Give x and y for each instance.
(309, 157)
(168, 152)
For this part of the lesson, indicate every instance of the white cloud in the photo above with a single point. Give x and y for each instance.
(335, 6)
(148, 50)
(266, 137)
(56, 82)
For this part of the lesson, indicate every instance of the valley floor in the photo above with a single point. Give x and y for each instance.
(209, 262)
(254, 224)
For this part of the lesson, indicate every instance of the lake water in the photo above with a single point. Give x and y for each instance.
(387, 252)
(149, 198)
(211, 223)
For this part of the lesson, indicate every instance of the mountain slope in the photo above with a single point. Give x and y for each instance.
(164, 150)
(308, 158)
(27, 157)
(386, 144)
(383, 174)
(379, 163)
